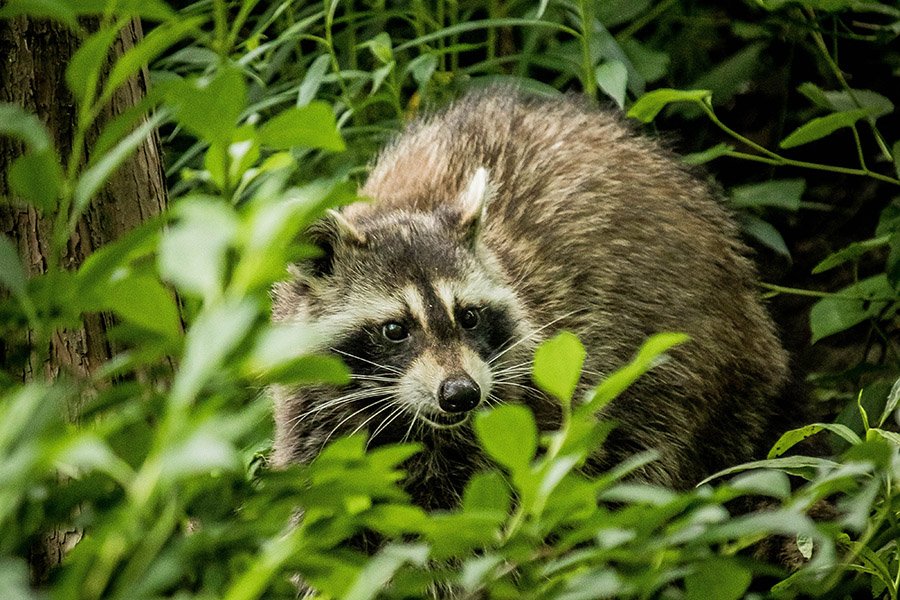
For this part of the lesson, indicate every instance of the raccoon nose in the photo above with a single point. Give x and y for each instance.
(459, 393)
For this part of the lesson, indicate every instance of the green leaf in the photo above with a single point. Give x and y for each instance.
(217, 331)
(717, 578)
(557, 366)
(895, 151)
(823, 126)
(648, 356)
(42, 9)
(310, 126)
(96, 176)
(764, 233)
(790, 438)
(12, 273)
(210, 107)
(850, 252)
(612, 77)
(842, 101)
(778, 193)
(145, 302)
(487, 491)
(763, 483)
(154, 10)
(153, 44)
(650, 64)
(312, 81)
(509, 435)
(893, 400)
(86, 65)
(731, 75)
(383, 566)
(649, 105)
(16, 122)
(192, 253)
(37, 178)
(850, 306)
(704, 156)
(381, 47)
(802, 466)
(204, 451)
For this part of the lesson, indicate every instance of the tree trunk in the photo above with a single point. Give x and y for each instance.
(34, 56)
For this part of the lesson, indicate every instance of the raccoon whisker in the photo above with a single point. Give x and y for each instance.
(385, 400)
(531, 335)
(369, 393)
(399, 410)
(512, 383)
(375, 378)
(365, 360)
(371, 417)
(412, 422)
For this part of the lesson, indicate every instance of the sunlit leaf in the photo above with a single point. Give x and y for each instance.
(850, 306)
(509, 435)
(557, 365)
(795, 436)
(310, 126)
(718, 578)
(37, 178)
(649, 105)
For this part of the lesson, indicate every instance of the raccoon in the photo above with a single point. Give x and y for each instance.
(495, 224)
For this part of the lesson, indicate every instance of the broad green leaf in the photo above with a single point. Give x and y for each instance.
(12, 273)
(717, 578)
(379, 570)
(143, 301)
(14, 579)
(850, 306)
(154, 44)
(215, 334)
(37, 178)
(893, 400)
(154, 10)
(649, 105)
(648, 356)
(192, 253)
(763, 482)
(61, 10)
(764, 233)
(651, 64)
(823, 126)
(557, 366)
(791, 438)
(731, 75)
(16, 122)
(100, 171)
(422, 68)
(204, 451)
(381, 47)
(803, 466)
(890, 436)
(850, 252)
(310, 126)
(612, 77)
(86, 65)
(842, 101)
(487, 491)
(210, 107)
(616, 12)
(704, 156)
(778, 193)
(103, 262)
(309, 87)
(509, 435)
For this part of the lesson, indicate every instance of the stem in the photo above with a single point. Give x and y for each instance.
(817, 294)
(648, 18)
(590, 78)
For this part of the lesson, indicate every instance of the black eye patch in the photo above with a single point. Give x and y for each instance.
(494, 332)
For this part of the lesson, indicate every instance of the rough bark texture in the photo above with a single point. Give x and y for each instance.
(33, 59)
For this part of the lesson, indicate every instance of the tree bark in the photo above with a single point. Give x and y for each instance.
(34, 56)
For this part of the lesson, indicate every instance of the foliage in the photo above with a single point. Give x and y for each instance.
(270, 111)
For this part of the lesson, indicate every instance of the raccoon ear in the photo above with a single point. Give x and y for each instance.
(326, 234)
(473, 201)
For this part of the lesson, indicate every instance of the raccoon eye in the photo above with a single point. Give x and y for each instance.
(394, 332)
(469, 318)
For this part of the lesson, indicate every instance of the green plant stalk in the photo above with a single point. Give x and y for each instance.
(589, 77)
(836, 70)
(650, 16)
(246, 7)
(220, 17)
(815, 294)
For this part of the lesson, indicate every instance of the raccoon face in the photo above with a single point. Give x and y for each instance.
(420, 312)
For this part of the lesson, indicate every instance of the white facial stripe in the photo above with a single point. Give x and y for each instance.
(416, 305)
(374, 310)
(477, 370)
(443, 289)
(422, 381)
(475, 291)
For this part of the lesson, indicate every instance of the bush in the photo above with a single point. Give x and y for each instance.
(270, 112)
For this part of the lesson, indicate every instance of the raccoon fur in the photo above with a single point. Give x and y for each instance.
(495, 224)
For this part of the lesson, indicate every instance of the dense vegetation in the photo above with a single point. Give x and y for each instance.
(269, 112)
